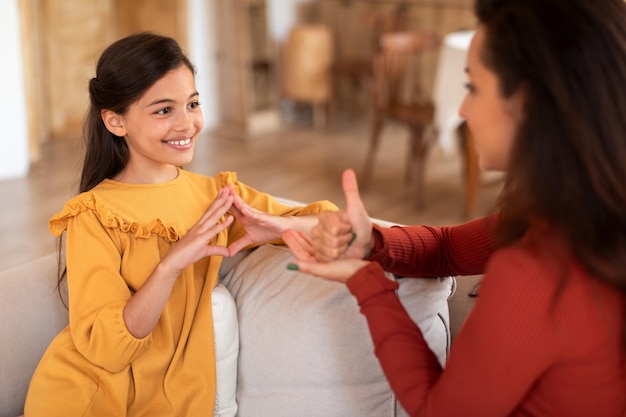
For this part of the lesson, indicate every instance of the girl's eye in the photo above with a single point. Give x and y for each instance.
(164, 110)
(194, 105)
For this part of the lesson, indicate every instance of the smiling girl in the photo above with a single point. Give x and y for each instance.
(144, 241)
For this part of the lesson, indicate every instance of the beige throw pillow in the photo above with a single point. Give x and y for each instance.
(304, 348)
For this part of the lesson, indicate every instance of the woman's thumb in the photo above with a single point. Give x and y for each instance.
(351, 191)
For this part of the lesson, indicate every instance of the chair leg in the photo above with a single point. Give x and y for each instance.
(472, 172)
(420, 146)
(412, 154)
(376, 127)
(320, 115)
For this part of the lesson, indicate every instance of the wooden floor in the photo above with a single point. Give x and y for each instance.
(299, 163)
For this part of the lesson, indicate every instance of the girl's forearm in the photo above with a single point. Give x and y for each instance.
(143, 310)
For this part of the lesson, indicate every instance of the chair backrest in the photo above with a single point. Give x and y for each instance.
(306, 60)
(397, 68)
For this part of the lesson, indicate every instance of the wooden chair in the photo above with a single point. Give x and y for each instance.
(397, 96)
(356, 69)
(305, 75)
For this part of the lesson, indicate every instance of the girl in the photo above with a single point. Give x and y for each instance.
(144, 242)
(546, 103)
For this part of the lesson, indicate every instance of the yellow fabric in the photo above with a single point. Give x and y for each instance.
(116, 235)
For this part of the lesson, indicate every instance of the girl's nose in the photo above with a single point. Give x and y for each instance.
(184, 120)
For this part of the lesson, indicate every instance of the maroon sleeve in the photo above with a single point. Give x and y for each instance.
(435, 251)
(410, 367)
(504, 346)
(512, 338)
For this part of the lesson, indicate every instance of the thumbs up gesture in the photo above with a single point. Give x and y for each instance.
(339, 241)
(348, 232)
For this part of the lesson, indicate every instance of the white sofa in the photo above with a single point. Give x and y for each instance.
(301, 347)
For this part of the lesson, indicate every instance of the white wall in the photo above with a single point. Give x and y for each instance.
(202, 51)
(282, 17)
(14, 157)
(14, 153)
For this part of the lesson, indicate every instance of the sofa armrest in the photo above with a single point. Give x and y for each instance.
(32, 314)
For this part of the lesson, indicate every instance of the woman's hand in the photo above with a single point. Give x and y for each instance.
(301, 246)
(346, 233)
(194, 245)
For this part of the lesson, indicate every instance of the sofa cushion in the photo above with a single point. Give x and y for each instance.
(32, 314)
(304, 347)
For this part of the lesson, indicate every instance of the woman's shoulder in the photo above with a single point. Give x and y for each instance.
(535, 255)
(544, 266)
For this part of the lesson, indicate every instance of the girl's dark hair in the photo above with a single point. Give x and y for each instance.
(568, 162)
(125, 70)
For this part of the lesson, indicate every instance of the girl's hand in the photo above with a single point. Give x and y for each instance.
(346, 233)
(195, 244)
(259, 226)
(301, 246)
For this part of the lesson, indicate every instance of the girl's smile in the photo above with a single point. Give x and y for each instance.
(160, 129)
(181, 144)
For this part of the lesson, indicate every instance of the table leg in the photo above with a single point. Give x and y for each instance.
(472, 172)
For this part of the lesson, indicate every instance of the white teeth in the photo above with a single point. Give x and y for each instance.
(180, 142)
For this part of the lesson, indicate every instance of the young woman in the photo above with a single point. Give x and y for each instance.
(546, 103)
(144, 241)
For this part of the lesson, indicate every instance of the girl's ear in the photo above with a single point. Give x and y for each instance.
(113, 122)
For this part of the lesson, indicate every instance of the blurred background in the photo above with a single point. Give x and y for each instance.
(293, 92)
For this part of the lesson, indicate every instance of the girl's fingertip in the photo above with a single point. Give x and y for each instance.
(292, 267)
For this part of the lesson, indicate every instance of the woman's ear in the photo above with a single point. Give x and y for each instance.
(113, 122)
(519, 100)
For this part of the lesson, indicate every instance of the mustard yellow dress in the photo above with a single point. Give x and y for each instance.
(116, 235)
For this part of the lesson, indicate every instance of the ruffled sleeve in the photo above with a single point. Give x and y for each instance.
(94, 258)
(109, 219)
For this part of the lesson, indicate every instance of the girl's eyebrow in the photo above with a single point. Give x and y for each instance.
(169, 100)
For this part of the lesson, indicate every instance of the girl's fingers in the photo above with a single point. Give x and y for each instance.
(328, 246)
(216, 210)
(299, 244)
(238, 207)
(334, 222)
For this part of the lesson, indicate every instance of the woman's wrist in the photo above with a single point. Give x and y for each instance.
(369, 247)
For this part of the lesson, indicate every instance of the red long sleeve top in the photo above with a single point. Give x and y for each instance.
(544, 338)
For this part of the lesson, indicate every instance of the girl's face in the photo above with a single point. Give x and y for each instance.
(492, 119)
(161, 128)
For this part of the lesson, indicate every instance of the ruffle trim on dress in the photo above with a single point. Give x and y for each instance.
(89, 201)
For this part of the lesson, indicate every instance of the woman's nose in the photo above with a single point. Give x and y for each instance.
(463, 108)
